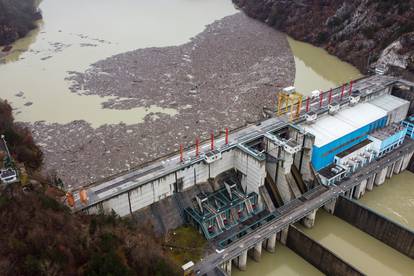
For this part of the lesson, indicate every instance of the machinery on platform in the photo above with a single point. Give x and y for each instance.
(8, 173)
(289, 101)
(219, 211)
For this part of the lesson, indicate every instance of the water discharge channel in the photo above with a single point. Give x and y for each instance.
(366, 253)
(39, 64)
(394, 199)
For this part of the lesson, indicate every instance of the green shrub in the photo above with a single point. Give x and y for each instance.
(322, 37)
(32, 265)
(106, 264)
(4, 201)
(50, 203)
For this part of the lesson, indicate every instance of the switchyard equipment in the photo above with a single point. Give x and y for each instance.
(8, 173)
(222, 210)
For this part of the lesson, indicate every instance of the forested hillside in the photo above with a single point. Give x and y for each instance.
(355, 31)
(17, 18)
(39, 235)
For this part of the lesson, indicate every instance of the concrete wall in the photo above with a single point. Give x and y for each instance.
(167, 213)
(137, 198)
(226, 163)
(376, 225)
(271, 164)
(406, 95)
(317, 255)
(254, 172)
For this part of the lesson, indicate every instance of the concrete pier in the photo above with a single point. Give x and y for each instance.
(284, 235)
(370, 183)
(390, 170)
(376, 225)
(227, 267)
(330, 206)
(256, 252)
(309, 220)
(397, 167)
(380, 177)
(360, 189)
(241, 261)
(318, 255)
(406, 161)
(271, 243)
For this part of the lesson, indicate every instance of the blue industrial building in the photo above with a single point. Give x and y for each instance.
(409, 124)
(337, 133)
(324, 156)
(346, 131)
(388, 138)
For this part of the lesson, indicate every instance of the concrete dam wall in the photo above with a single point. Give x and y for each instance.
(319, 256)
(376, 225)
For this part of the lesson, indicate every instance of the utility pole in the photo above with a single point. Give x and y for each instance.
(5, 145)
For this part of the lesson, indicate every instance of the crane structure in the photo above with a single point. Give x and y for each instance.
(289, 101)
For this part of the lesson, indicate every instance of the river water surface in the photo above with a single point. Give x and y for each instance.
(394, 199)
(74, 34)
(358, 248)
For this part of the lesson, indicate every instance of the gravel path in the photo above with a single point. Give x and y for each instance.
(222, 78)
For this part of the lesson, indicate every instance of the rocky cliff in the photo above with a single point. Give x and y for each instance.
(17, 18)
(360, 32)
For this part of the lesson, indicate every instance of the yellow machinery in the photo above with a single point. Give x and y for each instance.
(287, 100)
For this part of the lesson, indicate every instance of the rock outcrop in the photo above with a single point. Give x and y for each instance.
(359, 32)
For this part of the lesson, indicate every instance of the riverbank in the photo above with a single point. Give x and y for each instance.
(17, 19)
(359, 32)
(221, 78)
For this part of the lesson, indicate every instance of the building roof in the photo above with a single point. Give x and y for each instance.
(388, 131)
(331, 127)
(332, 171)
(389, 102)
(354, 148)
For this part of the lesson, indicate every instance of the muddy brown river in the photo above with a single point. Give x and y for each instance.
(33, 79)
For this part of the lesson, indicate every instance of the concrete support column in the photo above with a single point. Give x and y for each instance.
(360, 189)
(283, 235)
(284, 169)
(257, 251)
(271, 243)
(380, 177)
(351, 193)
(241, 261)
(390, 170)
(406, 161)
(330, 206)
(309, 220)
(306, 170)
(397, 167)
(227, 267)
(370, 183)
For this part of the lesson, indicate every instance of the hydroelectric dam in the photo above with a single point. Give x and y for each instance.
(245, 189)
